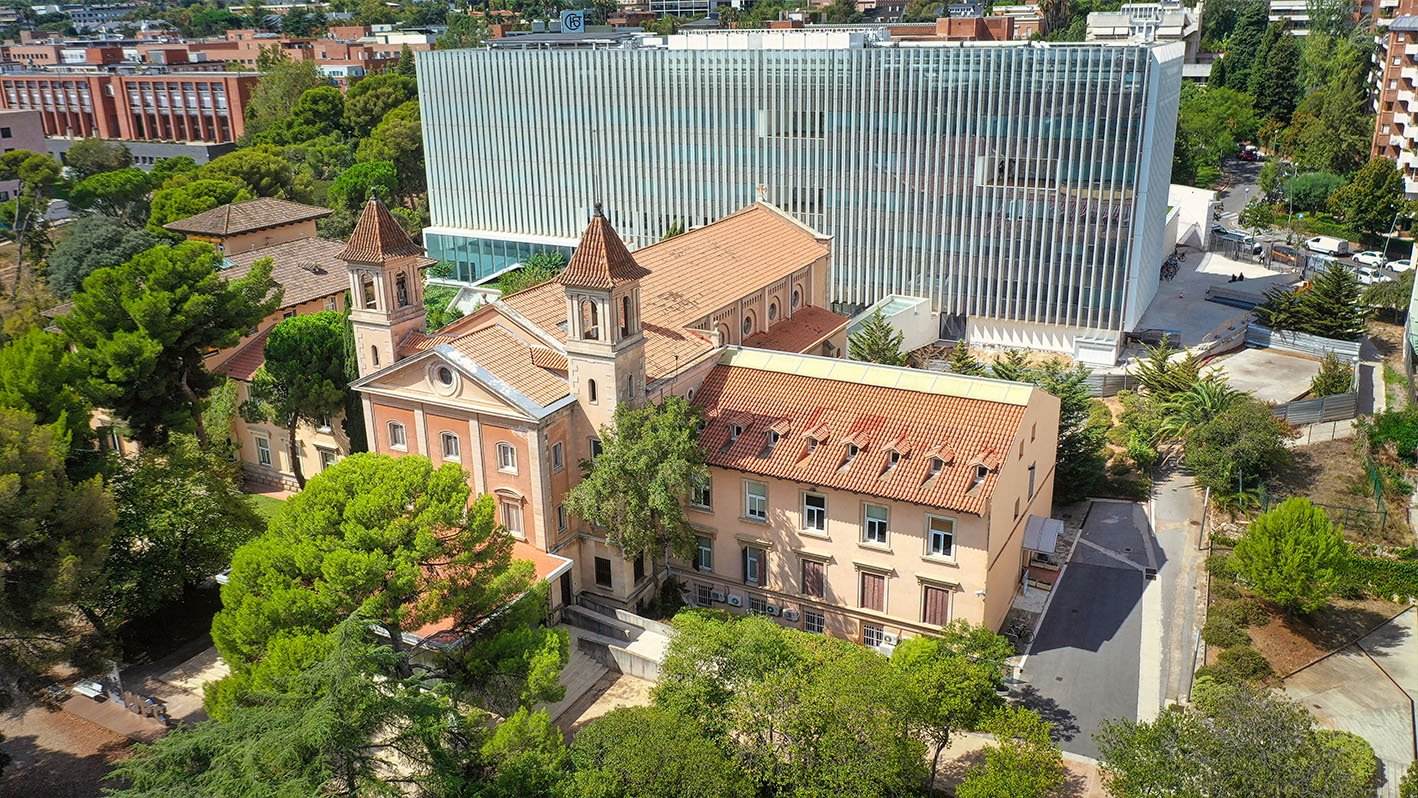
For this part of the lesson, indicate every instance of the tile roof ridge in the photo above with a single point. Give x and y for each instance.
(378, 236)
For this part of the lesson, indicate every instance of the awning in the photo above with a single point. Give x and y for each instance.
(1042, 534)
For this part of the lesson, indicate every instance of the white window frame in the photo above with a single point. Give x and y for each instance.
(755, 501)
(454, 454)
(323, 453)
(814, 514)
(398, 436)
(264, 456)
(872, 634)
(506, 458)
(931, 534)
(813, 618)
(512, 517)
(704, 553)
(867, 521)
(701, 495)
(558, 457)
(753, 565)
(757, 605)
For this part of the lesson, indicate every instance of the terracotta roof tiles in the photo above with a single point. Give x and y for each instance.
(510, 359)
(869, 416)
(378, 236)
(247, 216)
(244, 362)
(601, 259)
(807, 327)
(307, 268)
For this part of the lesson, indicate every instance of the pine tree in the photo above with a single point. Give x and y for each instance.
(1293, 556)
(1244, 44)
(405, 66)
(1333, 306)
(1013, 365)
(877, 342)
(1218, 72)
(1275, 82)
(962, 362)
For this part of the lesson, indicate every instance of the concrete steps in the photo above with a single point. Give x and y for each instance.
(579, 676)
(619, 639)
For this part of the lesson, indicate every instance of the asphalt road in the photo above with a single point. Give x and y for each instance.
(1083, 666)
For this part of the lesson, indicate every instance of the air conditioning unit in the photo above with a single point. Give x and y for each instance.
(735, 600)
(717, 595)
(889, 639)
(886, 649)
(790, 614)
(687, 587)
(774, 609)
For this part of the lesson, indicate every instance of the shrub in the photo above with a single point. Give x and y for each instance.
(1383, 577)
(1223, 632)
(1241, 612)
(1310, 190)
(1334, 377)
(1396, 427)
(1244, 443)
(1353, 757)
(1238, 664)
(1292, 555)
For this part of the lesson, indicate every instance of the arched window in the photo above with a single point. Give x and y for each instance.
(747, 326)
(772, 312)
(724, 334)
(625, 317)
(797, 297)
(591, 391)
(589, 327)
(401, 289)
(374, 354)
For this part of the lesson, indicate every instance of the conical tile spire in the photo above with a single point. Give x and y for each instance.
(378, 236)
(601, 259)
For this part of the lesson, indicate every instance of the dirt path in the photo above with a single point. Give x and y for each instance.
(56, 755)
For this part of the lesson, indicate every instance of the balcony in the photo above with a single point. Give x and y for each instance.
(1410, 186)
(1409, 73)
(1404, 96)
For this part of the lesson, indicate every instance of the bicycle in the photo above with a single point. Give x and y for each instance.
(1020, 633)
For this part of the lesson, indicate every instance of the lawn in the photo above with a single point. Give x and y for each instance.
(265, 506)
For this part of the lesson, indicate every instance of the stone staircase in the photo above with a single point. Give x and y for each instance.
(581, 673)
(618, 639)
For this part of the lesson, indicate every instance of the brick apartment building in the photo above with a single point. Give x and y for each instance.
(1395, 105)
(182, 107)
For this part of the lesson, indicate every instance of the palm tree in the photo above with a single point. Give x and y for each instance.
(1183, 412)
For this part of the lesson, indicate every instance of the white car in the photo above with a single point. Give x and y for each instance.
(1368, 275)
(1370, 258)
(1400, 265)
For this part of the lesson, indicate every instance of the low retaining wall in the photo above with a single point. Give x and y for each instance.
(1299, 343)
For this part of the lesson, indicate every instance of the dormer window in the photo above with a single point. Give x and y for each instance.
(772, 441)
(935, 466)
(981, 471)
(734, 432)
(850, 455)
(892, 459)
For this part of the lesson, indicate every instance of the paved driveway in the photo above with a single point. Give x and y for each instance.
(1083, 665)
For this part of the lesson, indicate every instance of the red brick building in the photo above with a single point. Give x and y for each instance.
(196, 107)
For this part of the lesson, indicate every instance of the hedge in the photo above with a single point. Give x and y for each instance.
(1385, 578)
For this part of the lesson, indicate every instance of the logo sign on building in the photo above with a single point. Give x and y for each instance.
(573, 21)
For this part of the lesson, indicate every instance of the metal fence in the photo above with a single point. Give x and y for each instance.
(1108, 384)
(1299, 343)
(1320, 409)
(1365, 518)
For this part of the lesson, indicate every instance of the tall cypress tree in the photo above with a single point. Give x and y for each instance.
(1244, 43)
(1275, 82)
(1267, 41)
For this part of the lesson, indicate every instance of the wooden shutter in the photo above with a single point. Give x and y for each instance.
(812, 578)
(937, 606)
(874, 592)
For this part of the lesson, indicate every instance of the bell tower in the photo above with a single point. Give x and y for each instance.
(386, 291)
(605, 348)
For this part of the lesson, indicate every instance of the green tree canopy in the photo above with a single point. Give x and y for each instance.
(89, 157)
(961, 361)
(1373, 200)
(1275, 81)
(877, 342)
(191, 198)
(1234, 740)
(303, 378)
(646, 752)
(350, 190)
(122, 193)
(54, 535)
(536, 269)
(1241, 445)
(1334, 377)
(372, 98)
(261, 174)
(1024, 762)
(1081, 436)
(463, 31)
(1244, 45)
(37, 375)
(393, 538)
(180, 516)
(279, 90)
(93, 242)
(1293, 556)
(637, 486)
(398, 139)
(141, 330)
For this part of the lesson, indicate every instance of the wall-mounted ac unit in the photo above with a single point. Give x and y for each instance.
(774, 609)
(717, 595)
(790, 614)
(735, 600)
(889, 639)
(687, 587)
(886, 648)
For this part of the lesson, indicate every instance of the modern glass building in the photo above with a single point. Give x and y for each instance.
(1022, 187)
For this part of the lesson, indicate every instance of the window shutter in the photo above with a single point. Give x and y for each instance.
(937, 606)
(744, 552)
(874, 592)
(812, 578)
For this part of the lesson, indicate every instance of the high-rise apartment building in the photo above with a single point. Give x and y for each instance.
(1022, 187)
(1396, 111)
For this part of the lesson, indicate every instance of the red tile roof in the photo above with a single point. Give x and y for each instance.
(601, 259)
(247, 216)
(806, 328)
(443, 632)
(511, 360)
(959, 429)
(378, 236)
(307, 268)
(244, 362)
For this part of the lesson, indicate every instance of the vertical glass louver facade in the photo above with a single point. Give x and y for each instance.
(1014, 182)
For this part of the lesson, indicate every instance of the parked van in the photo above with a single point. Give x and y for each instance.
(1327, 245)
